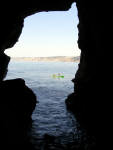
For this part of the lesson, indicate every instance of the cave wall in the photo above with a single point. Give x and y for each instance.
(91, 101)
(92, 97)
(94, 78)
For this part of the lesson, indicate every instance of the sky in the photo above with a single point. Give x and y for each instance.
(46, 34)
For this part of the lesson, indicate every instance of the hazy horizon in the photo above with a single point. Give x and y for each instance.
(41, 56)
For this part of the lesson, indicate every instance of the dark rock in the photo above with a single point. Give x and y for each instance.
(91, 101)
(16, 109)
(93, 94)
(4, 61)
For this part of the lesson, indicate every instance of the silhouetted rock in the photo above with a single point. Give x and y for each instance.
(93, 94)
(4, 61)
(16, 109)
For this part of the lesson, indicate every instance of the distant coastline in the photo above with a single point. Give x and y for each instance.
(48, 59)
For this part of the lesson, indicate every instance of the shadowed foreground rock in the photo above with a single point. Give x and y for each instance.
(16, 109)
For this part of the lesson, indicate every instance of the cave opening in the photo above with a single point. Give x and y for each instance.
(46, 35)
(50, 81)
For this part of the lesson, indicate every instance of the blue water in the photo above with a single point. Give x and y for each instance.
(53, 126)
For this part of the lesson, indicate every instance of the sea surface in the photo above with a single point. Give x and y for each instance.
(54, 127)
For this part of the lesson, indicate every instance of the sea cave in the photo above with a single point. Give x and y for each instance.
(91, 100)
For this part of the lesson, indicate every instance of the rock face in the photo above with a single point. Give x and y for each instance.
(92, 98)
(91, 101)
(16, 106)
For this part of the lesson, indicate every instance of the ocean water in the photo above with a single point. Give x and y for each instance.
(53, 127)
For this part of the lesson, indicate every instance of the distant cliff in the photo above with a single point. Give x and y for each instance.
(47, 59)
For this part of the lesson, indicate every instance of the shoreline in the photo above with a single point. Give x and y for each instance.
(48, 59)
